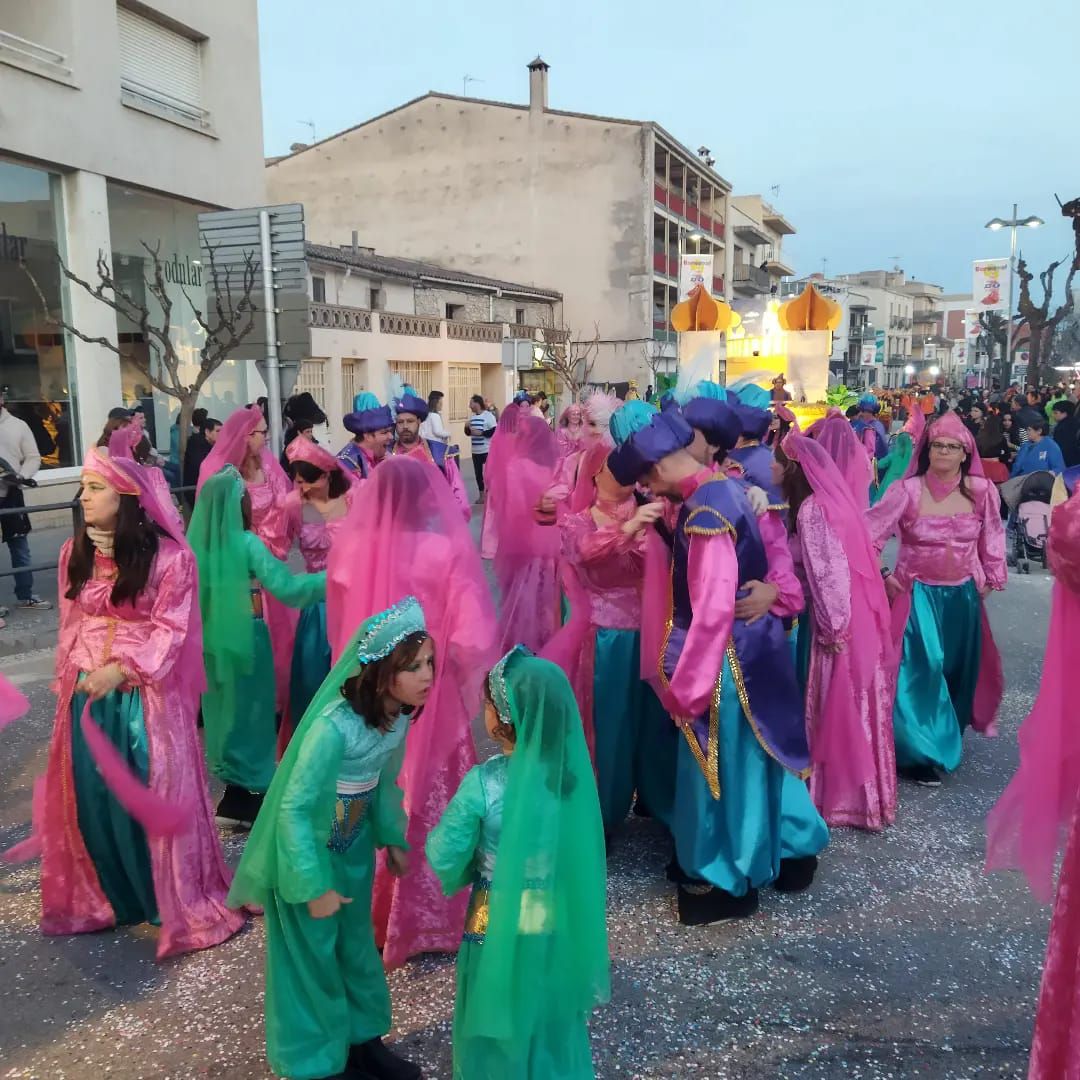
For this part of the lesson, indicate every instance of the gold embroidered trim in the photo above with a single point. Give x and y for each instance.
(709, 763)
(702, 530)
(476, 918)
(778, 506)
(669, 626)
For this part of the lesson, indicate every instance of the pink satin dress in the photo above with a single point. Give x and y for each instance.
(189, 873)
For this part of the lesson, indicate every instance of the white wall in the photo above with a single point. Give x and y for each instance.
(82, 124)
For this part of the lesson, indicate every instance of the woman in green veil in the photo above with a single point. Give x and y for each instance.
(310, 861)
(524, 829)
(238, 707)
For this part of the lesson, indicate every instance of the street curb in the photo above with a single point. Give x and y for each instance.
(28, 642)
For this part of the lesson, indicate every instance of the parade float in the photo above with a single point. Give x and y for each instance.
(793, 339)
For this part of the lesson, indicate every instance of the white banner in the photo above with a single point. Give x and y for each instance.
(695, 270)
(972, 332)
(991, 285)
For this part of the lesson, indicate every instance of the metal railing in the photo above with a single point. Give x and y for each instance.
(754, 276)
(75, 509)
(159, 99)
(12, 45)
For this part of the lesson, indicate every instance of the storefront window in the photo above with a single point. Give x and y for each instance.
(170, 227)
(33, 352)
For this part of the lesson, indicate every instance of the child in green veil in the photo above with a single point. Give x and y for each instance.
(524, 829)
(310, 861)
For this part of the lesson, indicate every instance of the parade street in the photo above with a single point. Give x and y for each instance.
(903, 960)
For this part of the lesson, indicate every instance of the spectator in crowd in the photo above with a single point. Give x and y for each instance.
(1038, 453)
(433, 426)
(1067, 431)
(195, 453)
(19, 451)
(480, 428)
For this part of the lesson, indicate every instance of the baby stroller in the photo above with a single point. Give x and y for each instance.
(1028, 500)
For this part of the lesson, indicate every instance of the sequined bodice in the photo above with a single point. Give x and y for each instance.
(367, 749)
(493, 774)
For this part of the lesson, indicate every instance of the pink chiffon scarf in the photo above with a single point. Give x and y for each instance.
(404, 536)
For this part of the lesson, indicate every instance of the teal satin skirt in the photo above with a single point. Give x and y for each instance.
(113, 839)
(636, 740)
(240, 721)
(939, 669)
(804, 640)
(311, 660)
(733, 842)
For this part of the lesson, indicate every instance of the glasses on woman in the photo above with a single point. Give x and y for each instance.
(947, 447)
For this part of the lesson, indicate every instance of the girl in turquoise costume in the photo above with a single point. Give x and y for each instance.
(238, 706)
(524, 829)
(310, 862)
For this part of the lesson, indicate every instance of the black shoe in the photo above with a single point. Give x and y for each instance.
(700, 904)
(641, 809)
(926, 775)
(796, 874)
(677, 875)
(236, 808)
(376, 1060)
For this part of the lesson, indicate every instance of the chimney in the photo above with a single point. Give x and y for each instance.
(538, 85)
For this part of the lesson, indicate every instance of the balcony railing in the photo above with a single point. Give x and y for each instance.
(29, 54)
(895, 359)
(337, 317)
(342, 317)
(751, 277)
(861, 333)
(464, 331)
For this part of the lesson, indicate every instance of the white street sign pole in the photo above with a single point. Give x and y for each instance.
(273, 371)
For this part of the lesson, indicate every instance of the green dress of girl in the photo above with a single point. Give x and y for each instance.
(238, 707)
(525, 831)
(333, 801)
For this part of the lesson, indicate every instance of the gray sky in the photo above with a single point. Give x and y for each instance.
(893, 131)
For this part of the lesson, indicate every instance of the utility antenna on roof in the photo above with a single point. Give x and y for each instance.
(465, 84)
(310, 124)
(775, 189)
(896, 263)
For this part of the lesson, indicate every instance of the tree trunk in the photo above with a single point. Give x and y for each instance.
(187, 407)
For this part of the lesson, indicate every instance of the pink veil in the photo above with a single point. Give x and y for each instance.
(13, 703)
(838, 439)
(404, 536)
(950, 425)
(504, 429)
(231, 447)
(1026, 826)
(869, 641)
(526, 551)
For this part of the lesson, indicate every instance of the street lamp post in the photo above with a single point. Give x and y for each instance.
(1012, 224)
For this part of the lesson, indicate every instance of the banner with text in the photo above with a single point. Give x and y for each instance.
(695, 270)
(990, 290)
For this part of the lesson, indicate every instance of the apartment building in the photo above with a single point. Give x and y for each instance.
(598, 208)
(131, 119)
(374, 316)
(890, 314)
(757, 257)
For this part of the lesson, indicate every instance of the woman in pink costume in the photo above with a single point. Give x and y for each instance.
(242, 442)
(629, 733)
(848, 694)
(130, 654)
(571, 428)
(527, 552)
(500, 445)
(1025, 827)
(326, 493)
(952, 553)
(405, 536)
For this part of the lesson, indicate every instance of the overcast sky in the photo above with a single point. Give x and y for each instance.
(893, 131)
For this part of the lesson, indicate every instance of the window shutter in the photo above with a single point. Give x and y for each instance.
(159, 65)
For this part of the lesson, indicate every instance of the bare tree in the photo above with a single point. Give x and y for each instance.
(572, 360)
(232, 320)
(1036, 317)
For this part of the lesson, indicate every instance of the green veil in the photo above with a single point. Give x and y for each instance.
(216, 535)
(268, 863)
(893, 466)
(546, 949)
